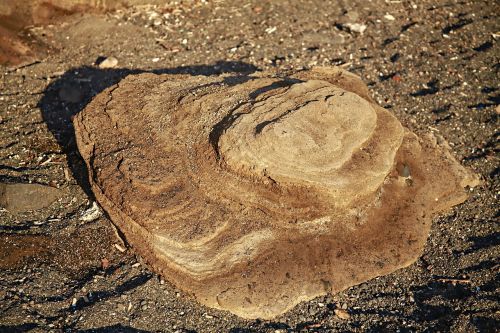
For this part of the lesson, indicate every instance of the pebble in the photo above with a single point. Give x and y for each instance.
(270, 30)
(356, 27)
(342, 314)
(109, 62)
(91, 214)
(389, 17)
(120, 248)
(104, 263)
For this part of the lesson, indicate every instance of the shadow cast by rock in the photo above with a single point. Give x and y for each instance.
(117, 328)
(71, 92)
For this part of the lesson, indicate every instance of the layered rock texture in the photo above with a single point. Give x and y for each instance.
(254, 193)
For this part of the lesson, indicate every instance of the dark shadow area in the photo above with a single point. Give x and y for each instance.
(383, 78)
(441, 109)
(460, 24)
(483, 47)
(491, 101)
(483, 242)
(118, 328)
(431, 89)
(390, 40)
(484, 324)
(101, 295)
(70, 93)
(134, 282)
(408, 26)
(18, 328)
(395, 57)
(485, 264)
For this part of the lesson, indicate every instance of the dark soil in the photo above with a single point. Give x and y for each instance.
(435, 65)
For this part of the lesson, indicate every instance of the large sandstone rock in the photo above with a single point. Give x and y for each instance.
(256, 193)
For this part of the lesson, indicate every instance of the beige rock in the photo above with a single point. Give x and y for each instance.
(256, 193)
(342, 314)
(109, 62)
(19, 198)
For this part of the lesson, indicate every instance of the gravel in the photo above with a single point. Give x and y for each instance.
(435, 66)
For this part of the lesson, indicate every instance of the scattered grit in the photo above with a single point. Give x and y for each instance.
(433, 64)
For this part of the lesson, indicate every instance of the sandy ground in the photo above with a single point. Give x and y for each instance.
(433, 63)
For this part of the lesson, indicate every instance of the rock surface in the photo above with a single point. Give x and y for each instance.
(255, 193)
(19, 198)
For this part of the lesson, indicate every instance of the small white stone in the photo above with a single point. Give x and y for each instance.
(91, 214)
(270, 30)
(109, 62)
(356, 27)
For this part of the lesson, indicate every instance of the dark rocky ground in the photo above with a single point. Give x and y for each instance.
(433, 63)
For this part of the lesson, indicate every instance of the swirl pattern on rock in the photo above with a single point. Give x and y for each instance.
(255, 193)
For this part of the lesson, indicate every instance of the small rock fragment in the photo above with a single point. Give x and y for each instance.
(104, 263)
(270, 30)
(110, 62)
(389, 17)
(91, 214)
(342, 314)
(120, 248)
(356, 27)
